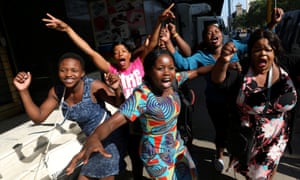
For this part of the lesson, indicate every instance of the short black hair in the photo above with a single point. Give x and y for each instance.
(150, 60)
(274, 40)
(73, 56)
(121, 42)
(209, 23)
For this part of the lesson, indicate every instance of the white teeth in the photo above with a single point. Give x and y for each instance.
(69, 80)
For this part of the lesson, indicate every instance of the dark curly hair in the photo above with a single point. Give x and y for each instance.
(273, 39)
(125, 44)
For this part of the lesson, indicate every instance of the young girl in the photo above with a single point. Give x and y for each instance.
(84, 103)
(156, 105)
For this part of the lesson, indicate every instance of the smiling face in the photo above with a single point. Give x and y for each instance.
(70, 72)
(163, 72)
(262, 55)
(122, 56)
(213, 36)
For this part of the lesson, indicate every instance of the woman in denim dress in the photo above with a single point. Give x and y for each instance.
(83, 103)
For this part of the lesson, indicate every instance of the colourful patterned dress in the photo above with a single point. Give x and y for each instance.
(161, 148)
(272, 134)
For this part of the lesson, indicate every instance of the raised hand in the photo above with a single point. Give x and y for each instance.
(164, 37)
(22, 80)
(54, 23)
(167, 13)
(277, 15)
(112, 80)
(227, 52)
(172, 28)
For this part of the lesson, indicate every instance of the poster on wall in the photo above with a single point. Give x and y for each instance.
(114, 20)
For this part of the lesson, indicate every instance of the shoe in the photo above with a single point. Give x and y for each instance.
(219, 165)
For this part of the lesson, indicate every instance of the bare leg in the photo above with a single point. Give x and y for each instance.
(273, 172)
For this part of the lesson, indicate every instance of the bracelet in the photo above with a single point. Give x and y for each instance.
(175, 35)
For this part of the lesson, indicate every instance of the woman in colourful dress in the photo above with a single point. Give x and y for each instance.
(156, 105)
(264, 95)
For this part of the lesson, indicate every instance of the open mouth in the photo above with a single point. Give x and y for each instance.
(122, 61)
(262, 64)
(166, 82)
(214, 40)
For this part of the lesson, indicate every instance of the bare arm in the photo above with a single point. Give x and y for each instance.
(183, 46)
(57, 24)
(36, 114)
(218, 74)
(277, 15)
(203, 70)
(153, 41)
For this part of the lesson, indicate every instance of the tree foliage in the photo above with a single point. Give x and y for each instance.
(257, 14)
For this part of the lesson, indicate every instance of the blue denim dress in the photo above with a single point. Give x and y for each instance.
(88, 115)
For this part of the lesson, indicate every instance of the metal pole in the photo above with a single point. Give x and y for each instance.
(229, 18)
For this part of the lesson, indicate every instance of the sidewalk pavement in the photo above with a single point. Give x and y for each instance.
(203, 151)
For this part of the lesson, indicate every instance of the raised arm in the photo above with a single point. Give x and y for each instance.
(276, 17)
(154, 38)
(183, 63)
(183, 46)
(36, 114)
(57, 24)
(218, 73)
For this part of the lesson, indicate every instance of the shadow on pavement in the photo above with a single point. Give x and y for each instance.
(290, 165)
(203, 158)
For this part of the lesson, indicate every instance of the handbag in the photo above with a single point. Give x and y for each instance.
(242, 139)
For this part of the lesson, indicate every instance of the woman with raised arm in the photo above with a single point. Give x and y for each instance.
(217, 104)
(263, 95)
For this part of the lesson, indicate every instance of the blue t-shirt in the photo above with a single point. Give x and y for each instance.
(204, 58)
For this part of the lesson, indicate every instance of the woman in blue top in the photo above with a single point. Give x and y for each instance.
(83, 103)
(216, 102)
